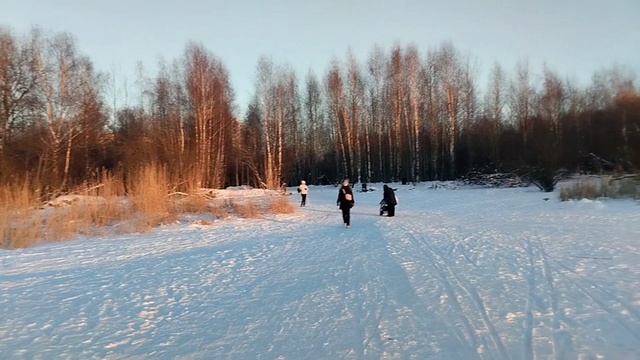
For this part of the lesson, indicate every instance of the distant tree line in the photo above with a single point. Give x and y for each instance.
(400, 114)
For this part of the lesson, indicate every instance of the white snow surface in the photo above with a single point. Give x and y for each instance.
(457, 274)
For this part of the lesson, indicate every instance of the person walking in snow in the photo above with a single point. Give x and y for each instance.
(345, 202)
(303, 189)
(389, 197)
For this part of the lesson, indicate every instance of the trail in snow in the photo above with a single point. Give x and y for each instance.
(458, 274)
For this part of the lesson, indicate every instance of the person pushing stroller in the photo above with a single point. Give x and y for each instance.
(388, 202)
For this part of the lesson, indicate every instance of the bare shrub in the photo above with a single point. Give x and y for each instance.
(281, 205)
(545, 178)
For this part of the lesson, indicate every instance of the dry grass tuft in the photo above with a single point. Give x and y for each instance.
(23, 234)
(203, 222)
(149, 197)
(580, 190)
(248, 209)
(112, 186)
(23, 223)
(93, 207)
(628, 188)
(193, 204)
(221, 209)
(18, 196)
(85, 218)
(602, 187)
(19, 218)
(65, 223)
(113, 208)
(282, 205)
(190, 182)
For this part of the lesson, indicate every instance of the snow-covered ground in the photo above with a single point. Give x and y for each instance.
(457, 274)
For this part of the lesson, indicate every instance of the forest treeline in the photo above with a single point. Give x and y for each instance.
(399, 114)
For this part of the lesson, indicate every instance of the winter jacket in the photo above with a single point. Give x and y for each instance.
(389, 196)
(344, 193)
(303, 189)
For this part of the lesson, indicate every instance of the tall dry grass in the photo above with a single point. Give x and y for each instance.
(190, 204)
(602, 187)
(24, 223)
(114, 208)
(103, 205)
(94, 208)
(580, 190)
(149, 197)
(109, 205)
(66, 223)
(20, 225)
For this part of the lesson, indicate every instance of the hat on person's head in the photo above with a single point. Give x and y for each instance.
(303, 182)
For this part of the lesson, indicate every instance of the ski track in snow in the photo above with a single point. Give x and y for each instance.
(457, 274)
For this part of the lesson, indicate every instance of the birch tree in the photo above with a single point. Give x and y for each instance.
(313, 126)
(414, 110)
(495, 103)
(278, 103)
(521, 100)
(357, 132)
(62, 90)
(210, 100)
(375, 111)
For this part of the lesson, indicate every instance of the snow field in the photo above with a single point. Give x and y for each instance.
(457, 274)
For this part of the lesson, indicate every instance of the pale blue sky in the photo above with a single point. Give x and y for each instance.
(573, 37)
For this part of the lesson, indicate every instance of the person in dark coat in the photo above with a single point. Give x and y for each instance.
(389, 198)
(345, 202)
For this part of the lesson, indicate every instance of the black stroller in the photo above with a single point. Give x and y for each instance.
(383, 207)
